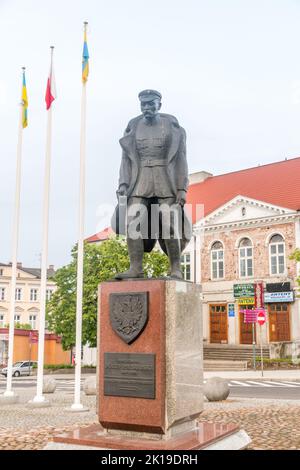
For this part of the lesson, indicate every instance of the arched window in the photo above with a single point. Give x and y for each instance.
(277, 254)
(246, 258)
(217, 261)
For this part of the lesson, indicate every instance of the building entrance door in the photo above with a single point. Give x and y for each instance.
(279, 322)
(218, 323)
(246, 329)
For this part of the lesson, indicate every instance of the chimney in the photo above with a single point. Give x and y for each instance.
(51, 266)
(19, 265)
(199, 177)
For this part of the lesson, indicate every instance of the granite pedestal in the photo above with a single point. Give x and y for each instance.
(150, 374)
(172, 340)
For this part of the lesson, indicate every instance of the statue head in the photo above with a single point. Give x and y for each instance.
(150, 103)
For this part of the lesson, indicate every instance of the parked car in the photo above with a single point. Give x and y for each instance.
(20, 368)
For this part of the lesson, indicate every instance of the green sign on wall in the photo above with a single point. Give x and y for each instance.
(243, 290)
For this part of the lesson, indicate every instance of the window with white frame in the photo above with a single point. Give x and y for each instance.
(246, 258)
(33, 295)
(17, 318)
(18, 293)
(186, 266)
(2, 293)
(49, 293)
(32, 321)
(217, 261)
(1, 320)
(277, 254)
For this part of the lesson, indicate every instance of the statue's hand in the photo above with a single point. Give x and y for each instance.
(122, 191)
(181, 197)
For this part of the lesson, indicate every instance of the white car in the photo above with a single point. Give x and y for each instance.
(20, 368)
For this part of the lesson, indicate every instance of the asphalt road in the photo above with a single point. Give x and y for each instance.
(266, 389)
(283, 390)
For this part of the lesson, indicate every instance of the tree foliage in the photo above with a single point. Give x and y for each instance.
(101, 263)
(20, 326)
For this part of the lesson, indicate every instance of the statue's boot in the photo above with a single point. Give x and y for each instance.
(136, 253)
(174, 253)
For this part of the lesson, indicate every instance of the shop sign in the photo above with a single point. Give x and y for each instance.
(259, 294)
(250, 316)
(278, 287)
(243, 290)
(247, 301)
(231, 310)
(271, 297)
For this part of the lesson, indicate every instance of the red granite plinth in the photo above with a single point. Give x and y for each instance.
(129, 413)
(94, 436)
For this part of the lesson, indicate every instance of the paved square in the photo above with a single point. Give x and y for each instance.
(271, 424)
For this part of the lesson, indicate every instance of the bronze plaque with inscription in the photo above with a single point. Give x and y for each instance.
(129, 375)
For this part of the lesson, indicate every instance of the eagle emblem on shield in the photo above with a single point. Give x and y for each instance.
(128, 314)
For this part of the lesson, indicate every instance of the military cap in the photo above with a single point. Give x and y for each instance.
(149, 95)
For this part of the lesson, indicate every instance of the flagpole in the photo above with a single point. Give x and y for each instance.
(39, 399)
(15, 239)
(77, 405)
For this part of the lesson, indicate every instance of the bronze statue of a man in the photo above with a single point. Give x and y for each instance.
(153, 174)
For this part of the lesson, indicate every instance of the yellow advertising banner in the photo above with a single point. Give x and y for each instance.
(246, 301)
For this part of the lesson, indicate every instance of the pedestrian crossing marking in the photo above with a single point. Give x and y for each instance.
(241, 384)
(259, 384)
(296, 384)
(282, 384)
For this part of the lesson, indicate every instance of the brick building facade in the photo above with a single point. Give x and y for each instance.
(249, 229)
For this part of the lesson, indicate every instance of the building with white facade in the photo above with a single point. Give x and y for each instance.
(27, 294)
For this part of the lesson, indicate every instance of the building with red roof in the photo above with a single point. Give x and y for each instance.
(100, 236)
(275, 183)
(246, 226)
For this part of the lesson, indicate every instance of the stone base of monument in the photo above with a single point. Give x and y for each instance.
(150, 376)
(206, 436)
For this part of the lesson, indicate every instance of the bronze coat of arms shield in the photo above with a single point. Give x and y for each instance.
(128, 314)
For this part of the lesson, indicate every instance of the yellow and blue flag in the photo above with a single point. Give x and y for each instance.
(24, 102)
(85, 60)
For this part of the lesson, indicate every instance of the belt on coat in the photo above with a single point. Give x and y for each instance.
(151, 162)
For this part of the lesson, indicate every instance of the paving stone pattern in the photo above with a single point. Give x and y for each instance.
(271, 424)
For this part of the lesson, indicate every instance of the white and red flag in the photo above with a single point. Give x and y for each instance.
(51, 88)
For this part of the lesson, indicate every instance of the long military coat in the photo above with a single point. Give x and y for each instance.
(177, 171)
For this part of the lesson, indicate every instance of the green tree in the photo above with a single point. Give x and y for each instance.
(101, 263)
(21, 326)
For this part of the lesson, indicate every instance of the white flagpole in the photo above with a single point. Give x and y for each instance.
(39, 399)
(77, 405)
(15, 239)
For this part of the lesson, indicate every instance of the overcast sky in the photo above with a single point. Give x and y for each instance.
(228, 70)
